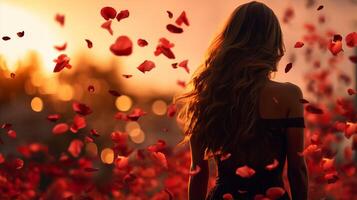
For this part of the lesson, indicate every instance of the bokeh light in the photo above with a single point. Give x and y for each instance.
(36, 104)
(137, 135)
(65, 92)
(159, 107)
(123, 103)
(107, 156)
(92, 149)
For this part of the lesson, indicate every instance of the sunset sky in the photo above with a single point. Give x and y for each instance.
(148, 20)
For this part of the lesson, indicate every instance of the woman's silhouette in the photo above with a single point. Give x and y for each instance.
(248, 122)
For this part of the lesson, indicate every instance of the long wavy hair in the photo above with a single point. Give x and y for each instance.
(221, 108)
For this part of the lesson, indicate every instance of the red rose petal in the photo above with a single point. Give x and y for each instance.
(171, 110)
(75, 147)
(91, 88)
(88, 139)
(81, 109)
(288, 67)
(5, 38)
(181, 83)
(89, 43)
(12, 75)
(169, 13)
(94, 133)
(11, 133)
(183, 64)
(60, 19)
(108, 13)
(19, 163)
(78, 123)
(312, 148)
(320, 7)
(20, 34)
(353, 59)
(351, 91)
(142, 42)
(122, 15)
(108, 26)
(298, 44)
(227, 196)
(288, 15)
(121, 162)
(127, 75)
(146, 66)
(2, 158)
(335, 45)
(122, 46)
(60, 128)
(245, 171)
(114, 93)
(62, 61)
(182, 19)
(351, 39)
(135, 114)
(174, 29)
(53, 117)
(61, 47)
(313, 109)
(160, 158)
(275, 192)
(119, 137)
(303, 101)
(273, 165)
(174, 65)
(164, 47)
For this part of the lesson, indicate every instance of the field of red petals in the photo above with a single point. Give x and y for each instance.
(82, 135)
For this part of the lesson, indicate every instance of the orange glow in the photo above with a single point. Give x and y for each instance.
(107, 156)
(65, 92)
(37, 104)
(131, 125)
(159, 107)
(123, 103)
(137, 135)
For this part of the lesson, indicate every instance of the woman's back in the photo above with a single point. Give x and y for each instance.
(266, 152)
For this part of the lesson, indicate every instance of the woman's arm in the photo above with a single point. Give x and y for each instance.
(197, 186)
(297, 171)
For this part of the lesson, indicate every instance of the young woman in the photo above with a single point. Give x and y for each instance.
(249, 123)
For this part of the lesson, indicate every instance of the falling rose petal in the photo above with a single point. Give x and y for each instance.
(114, 93)
(171, 110)
(60, 19)
(303, 101)
(327, 164)
(275, 192)
(75, 147)
(353, 59)
(121, 162)
(60, 128)
(273, 165)
(181, 83)
(351, 91)
(321, 19)
(174, 65)
(195, 171)
(298, 44)
(123, 46)
(245, 171)
(227, 196)
(108, 26)
(160, 158)
(169, 13)
(6, 126)
(174, 29)
(127, 75)
(159, 146)
(19, 163)
(5, 38)
(91, 169)
(351, 39)
(288, 67)
(183, 64)
(182, 19)
(288, 15)
(142, 42)
(311, 149)
(91, 88)
(61, 47)
(313, 109)
(108, 12)
(20, 34)
(135, 114)
(320, 7)
(121, 116)
(12, 75)
(62, 61)
(335, 45)
(78, 123)
(88, 139)
(53, 117)
(2, 158)
(94, 133)
(119, 137)
(11, 133)
(164, 47)
(129, 178)
(225, 156)
(146, 66)
(81, 109)
(331, 177)
(89, 43)
(122, 15)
